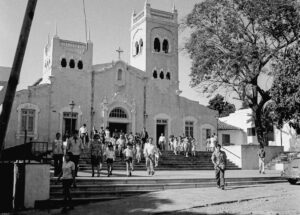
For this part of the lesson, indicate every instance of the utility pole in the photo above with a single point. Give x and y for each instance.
(16, 70)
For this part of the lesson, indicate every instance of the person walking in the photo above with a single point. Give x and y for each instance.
(57, 153)
(75, 146)
(110, 158)
(96, 149)
(261, 159)
(149, 151)
(68, 178)
(83, 134)
(219, 160)
(144, 136)
(128, 153)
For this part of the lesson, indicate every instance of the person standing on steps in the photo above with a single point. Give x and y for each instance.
(149, 152)
(110, 158)
(219, 160)
(261, 159)
(68, 178)
(75, 146)
(58, 153)
(96, 148)
(83, 134)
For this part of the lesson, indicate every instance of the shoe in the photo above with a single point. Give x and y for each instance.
(152, 173)
(263, 173)
(222, 188)
(130, 174)
(71, 207)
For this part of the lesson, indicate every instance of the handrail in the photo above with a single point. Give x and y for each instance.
(231, 153)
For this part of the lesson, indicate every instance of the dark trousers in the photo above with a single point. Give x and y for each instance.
(66, 192)
(75, 159)
(58, 159)
(220, 176)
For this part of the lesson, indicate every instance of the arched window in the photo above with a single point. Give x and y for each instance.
(119, 76)
(72, 63)
(80, 64)
(155, 74)
(168, 76)
(63, 62)
(161, 75)
(166, 46)
(156, 45)
(118, 113)
(137, 49)
(141, 45)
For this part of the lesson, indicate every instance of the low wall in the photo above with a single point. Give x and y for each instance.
(37, 183)
(234, 154)
(248, 155)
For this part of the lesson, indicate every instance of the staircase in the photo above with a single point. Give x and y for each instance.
(168, 161)
(104, 189)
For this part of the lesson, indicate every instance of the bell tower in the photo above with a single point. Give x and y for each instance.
(154, 43)
(65, 56)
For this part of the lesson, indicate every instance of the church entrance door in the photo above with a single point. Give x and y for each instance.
(69, 122)
(161, 128)
(120, 127)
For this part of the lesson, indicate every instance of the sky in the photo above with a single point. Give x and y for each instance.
(109, 24)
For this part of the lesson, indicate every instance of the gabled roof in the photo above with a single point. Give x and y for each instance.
(225, 126)
(107, 66)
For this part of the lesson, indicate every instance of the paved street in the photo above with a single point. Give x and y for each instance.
(281, 198)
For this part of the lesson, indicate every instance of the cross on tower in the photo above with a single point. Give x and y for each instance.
(120, 51)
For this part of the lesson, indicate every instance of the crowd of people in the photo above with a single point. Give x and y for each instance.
(105, 147)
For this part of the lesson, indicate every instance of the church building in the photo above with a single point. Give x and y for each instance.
(144, 93)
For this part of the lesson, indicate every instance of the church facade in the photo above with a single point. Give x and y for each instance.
(144, 93)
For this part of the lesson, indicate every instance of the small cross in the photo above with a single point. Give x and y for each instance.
(119, 52)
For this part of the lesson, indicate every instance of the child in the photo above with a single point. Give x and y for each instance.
(110, 158)
(128, 153)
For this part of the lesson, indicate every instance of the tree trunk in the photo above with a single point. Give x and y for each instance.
(257, 112)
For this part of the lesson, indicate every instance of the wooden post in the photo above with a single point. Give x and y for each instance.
(16, 70)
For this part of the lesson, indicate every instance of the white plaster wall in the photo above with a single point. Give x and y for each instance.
(37, 183)
(237, 137)
(242, 119)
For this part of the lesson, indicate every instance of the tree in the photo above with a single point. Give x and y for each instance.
(285, 91)
(234, 41)
(224, 108)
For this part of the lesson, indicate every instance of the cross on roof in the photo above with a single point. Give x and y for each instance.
(120, 51)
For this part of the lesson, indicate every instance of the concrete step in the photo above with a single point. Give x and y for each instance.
(94, 190)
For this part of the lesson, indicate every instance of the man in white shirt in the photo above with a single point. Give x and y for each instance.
(162, 142)
(83, 134)
(149, 151)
